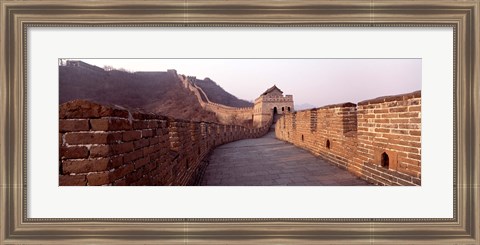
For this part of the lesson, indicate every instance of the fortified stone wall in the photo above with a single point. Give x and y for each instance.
(378, 140)
(271, 102)
(225, 114)
(101, 145)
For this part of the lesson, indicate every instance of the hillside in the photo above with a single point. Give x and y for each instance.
(218, 95)
(158, 92)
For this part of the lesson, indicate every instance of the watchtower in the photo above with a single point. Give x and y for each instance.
(270, 103)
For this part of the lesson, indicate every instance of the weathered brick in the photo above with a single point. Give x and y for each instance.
(141, 143)
(100, 151)
(414, 167)
(141, 162)
(415, 132)
(139, 124)
(404, 182)
(121, 171)
(409, 161)
(151, 166)
(147, 133)
(72, 180)
(154, 140)
(415, 120)
(414, 156)
(116, 161)
(390, 115)
(399, 131)
(68, 125)
(133, 177)
(110, 124)
(408, 172)
(414, 108)
(132, 135)
(398, 109)
(378, 111)
(382, 130)
(399, 120)
(91, 138)
(69, 152)
(85, 165)
(122, 148)
(409, 114)
(148, 150)
(417, 181)
(408, 126)
(132, 156)
(101, 178)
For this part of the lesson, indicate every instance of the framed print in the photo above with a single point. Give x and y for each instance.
(189, 122)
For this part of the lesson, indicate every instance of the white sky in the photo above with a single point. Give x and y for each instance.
(314, 81)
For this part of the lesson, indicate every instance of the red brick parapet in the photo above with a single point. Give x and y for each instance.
(109, 145)
(379, 140)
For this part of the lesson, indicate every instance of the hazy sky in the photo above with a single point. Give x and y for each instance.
(314, 81)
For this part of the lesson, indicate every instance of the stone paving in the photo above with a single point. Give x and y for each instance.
(268, 161)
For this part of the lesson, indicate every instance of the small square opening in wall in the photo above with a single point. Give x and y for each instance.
(386, 159)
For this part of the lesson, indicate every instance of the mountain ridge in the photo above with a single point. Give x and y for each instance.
(218, 95)
(157, 91)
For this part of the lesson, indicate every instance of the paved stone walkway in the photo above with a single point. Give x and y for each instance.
(268, 161)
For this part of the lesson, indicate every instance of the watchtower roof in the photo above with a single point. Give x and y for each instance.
(272, 89)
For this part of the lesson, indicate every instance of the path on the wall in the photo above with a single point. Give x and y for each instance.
(267, 161)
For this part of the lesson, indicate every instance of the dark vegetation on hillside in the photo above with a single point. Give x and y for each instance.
(157, 92)
(218, 95)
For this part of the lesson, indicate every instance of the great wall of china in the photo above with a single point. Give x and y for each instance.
(225, 114)
(378, 140)
(102, 145)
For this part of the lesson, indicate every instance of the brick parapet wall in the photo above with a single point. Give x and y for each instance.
(104, 145)
(358, 137)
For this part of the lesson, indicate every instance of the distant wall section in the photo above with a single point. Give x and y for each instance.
(225, 114)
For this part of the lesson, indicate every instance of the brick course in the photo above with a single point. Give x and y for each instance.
(108, 145)
(355, 137)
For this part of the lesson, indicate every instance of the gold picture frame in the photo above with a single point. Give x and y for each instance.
(17, 16)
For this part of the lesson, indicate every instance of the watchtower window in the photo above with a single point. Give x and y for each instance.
(283, 108)
(288, 108)
(328, 144)
(302, 137)
(275, 110)
(384, 160)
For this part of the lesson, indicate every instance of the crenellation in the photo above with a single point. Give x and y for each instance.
(384, 150)
(148, 150)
